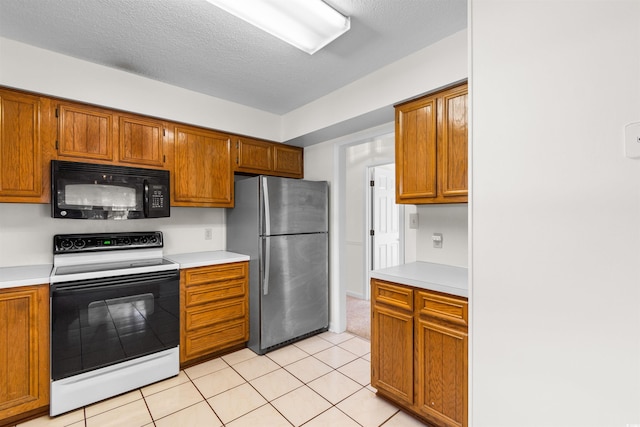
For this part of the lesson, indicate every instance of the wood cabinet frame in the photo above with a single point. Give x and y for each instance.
(27, 143)
(419, 351)
(24, 351)
(214, 310)
(36, 129)
(431, 148)
(254, 156)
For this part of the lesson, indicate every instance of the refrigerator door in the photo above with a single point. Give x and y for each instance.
(294, 291)
(293, 206)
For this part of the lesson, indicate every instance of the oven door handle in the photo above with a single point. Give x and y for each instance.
(116, 282)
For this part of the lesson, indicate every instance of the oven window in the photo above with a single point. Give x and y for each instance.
(108, 197)
(97, 326)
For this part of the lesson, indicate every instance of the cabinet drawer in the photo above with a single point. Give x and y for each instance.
(210, 292)
(215, 338)
(212, 314)
(395, 295)
(443, 307)
(217, 273)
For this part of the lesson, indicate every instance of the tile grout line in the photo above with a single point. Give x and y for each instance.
(280, 366)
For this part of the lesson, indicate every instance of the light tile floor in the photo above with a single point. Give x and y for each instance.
(321, 381)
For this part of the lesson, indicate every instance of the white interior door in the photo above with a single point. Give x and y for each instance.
(385, 218)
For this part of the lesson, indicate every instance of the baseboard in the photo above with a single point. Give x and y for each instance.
(358, 295)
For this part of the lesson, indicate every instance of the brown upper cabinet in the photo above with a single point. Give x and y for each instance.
(201, 174)
(431, 148)
(36, 129)
(255, 156)
(141, 141)
(26, 145)
(88, 133)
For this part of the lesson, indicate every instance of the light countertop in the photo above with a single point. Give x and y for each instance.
(25, 275)
(28, 275)
(201, 259)
(447, 279)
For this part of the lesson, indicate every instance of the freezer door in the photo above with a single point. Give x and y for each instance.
(293, 206)
(294, 289)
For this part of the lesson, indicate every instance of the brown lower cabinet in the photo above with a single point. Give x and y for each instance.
(24, 351)
(419, 342)
(214, 315)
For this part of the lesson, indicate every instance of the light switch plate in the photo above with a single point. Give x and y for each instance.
(413, 221)
(632, 140)
(437, 240)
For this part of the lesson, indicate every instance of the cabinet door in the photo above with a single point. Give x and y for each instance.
(452, 143)
(202, 174)
(214, 312)
(21, 160)
(288, 161)
(416, 154)
(85, 132)
(392, 340)
(141, 141)
(254, 156)
(24, 350)
(441, 373)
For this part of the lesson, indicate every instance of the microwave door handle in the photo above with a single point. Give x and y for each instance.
(145, 200)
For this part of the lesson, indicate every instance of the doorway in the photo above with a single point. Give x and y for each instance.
(381, 226)
(385, 225)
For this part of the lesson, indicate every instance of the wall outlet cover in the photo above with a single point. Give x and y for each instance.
(413, 221)
(632, 140)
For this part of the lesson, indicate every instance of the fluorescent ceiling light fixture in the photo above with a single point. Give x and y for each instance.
(308, 25)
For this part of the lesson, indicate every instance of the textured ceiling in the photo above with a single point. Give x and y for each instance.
(194, 45)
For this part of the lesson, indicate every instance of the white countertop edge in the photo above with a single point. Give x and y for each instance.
(202, 259)
(447, 279)
(24, 275)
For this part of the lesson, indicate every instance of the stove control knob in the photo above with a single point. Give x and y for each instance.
(153, 239)
(144, 240)
(79, 244)
(125, 241)
(66, 244)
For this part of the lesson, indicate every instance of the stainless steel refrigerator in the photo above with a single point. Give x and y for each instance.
(282, 224)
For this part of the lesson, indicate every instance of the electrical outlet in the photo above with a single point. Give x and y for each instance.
(437, 240)
(208, 234)
(413, 221)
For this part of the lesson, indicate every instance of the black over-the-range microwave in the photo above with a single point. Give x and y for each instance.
(94, 191)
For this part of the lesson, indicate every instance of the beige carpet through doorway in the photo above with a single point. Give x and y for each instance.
(359, 317)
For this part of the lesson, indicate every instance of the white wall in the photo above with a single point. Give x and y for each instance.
(437, 65)
(38, 70)
(27, 230)
(555, 299)
(34, 69)
(450, 220)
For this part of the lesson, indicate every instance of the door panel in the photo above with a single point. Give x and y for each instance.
(294, 286)
(385, 219)
(293, 206)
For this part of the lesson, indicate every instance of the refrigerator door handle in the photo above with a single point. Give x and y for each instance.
(267, 209)
(266, 250)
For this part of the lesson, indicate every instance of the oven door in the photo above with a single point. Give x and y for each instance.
(100, 322)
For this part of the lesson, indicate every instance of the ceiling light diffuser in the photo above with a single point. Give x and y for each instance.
(308, 25)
